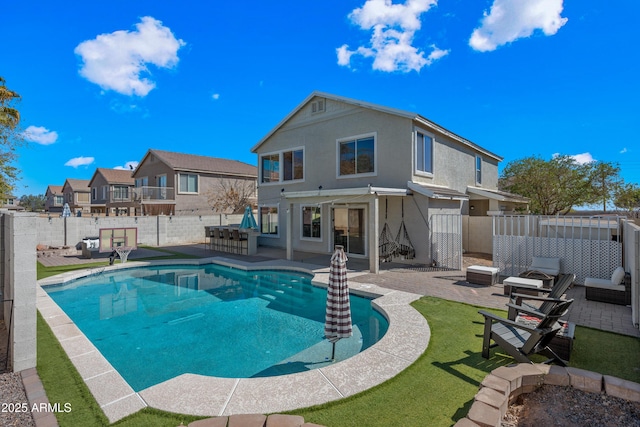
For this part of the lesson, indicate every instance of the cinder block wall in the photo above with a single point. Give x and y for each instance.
(152, 230)
(19, 284)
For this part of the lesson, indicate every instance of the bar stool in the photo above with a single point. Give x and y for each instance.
(216, 239)
(226, 239)
(237, 240)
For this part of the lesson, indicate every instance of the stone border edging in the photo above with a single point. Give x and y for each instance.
(504, 384)
(36, 395)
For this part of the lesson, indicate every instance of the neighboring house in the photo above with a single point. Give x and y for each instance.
(182, 184)
(12, 203)
(111, 191)
(336, 170)
(77, 194)
(54, 199)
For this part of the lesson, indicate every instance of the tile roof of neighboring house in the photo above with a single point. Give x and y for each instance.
(195, 163)
(55, 189)
(78, 184)
(402, 113)
(115, 176)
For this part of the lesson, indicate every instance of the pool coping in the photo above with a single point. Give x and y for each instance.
(406, 339)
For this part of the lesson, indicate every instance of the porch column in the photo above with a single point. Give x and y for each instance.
(289, 216)
(374, 235)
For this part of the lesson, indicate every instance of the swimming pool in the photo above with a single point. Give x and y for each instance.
(156, 323)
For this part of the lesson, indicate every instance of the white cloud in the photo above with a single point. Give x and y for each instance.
(40, 135)
(624, 150)
(579, 158)
(130, 165)
(510, 20)
(391, 44)
(215, 96)
(116, 61)
(80, 161)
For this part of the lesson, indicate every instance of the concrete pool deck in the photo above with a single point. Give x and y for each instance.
(406, 339)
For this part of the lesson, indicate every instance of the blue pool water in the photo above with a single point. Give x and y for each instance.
(155, 323)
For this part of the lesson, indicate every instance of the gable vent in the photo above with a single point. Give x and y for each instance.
(317, 106)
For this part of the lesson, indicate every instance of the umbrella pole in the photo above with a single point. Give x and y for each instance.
(333, 351)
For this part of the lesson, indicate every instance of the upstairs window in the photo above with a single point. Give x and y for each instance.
(270, 166)
(292, 165)
(282, 166)
(478, 170)
(120, 192)
(424, 152)
(188, 183)
(94, 193)
(356, 156)
(58, 200)
(142, 182)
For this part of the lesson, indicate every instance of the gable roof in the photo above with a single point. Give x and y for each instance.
(54, 189)
(81, 185)
(388, 110)
(114, 176)
(203, 164)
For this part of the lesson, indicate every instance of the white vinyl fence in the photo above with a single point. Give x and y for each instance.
(586, 246)
(446, 240)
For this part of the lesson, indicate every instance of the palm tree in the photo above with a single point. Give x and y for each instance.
(9, 137)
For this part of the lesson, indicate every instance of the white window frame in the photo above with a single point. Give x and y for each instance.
(478, 170)
(180, 191)
(417, 171)
(94, 193)
(375, 155)
(280, 155)
(310, 238)
(105, 192)
(277, 207)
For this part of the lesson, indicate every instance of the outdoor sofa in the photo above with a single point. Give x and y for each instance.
(616, 290)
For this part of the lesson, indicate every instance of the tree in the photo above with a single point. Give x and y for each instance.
(10, 137)
(554, 186)
(627, 198)
(33, 202)
(232, 196)
(605, 182)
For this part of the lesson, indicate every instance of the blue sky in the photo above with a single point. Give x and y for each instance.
(103, 81)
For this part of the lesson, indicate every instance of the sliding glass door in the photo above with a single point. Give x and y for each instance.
(349, 229)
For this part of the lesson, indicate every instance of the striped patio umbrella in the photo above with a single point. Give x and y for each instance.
(337, 322)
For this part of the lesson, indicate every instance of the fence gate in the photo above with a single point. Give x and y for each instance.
(446, 240)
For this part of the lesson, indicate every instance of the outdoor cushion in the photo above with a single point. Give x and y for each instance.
(546, 265)
(617, 276)
(614, 283)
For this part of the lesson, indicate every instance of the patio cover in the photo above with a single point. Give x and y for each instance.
(501, 196)
(436, 191)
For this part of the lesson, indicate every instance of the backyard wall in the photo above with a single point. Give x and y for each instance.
(18, 275)
(152, 230)
(631, 250)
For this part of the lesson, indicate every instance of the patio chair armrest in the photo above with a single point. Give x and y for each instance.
(521, 297)
(494, 318)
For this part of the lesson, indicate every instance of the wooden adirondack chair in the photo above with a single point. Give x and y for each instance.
(517, 304)
(521, 341)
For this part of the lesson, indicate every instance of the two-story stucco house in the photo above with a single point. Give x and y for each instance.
(336, 170)
(77, 194)
(111, 191)
(54, 199)
(184, 184)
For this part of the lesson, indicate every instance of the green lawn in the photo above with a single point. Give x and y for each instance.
(436, 390)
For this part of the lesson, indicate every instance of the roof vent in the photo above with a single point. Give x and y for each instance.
(317, 106)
